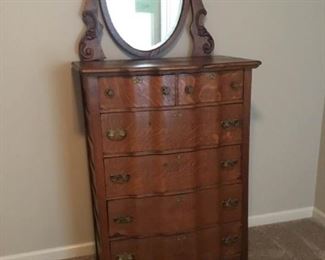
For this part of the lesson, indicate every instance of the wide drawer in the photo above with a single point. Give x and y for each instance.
(210, 87)
(171, 129)
(136, 92)
(174, 214)
(208, 244)
(152, 174)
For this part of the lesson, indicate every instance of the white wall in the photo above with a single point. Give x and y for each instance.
(44, 195)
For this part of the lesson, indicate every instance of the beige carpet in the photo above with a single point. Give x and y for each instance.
(297, 240)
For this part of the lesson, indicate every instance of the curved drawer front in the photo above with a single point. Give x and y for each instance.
(210, 87)
(174, 214)
(130, 176)
(134, 92)
(208, 244)
(171, 129)
(203, 245)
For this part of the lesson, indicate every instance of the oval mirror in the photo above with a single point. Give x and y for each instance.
(144, 28)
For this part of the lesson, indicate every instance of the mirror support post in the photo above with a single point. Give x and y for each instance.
(203, 43)
(90, 44)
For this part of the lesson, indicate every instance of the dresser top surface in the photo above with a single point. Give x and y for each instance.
(164, 65)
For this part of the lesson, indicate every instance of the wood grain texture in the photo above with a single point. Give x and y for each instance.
(161, 174)
(210, 87)
(162, 165)
(166, 130)
(140, 91)
(185, 212)
(203, 245)
(164, 66)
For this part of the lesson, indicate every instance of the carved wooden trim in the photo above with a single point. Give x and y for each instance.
(90, 44)
(203, 43)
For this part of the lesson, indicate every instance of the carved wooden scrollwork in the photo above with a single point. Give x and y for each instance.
(90, 44)
(203, 43)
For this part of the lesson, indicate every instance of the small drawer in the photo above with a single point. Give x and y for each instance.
(136, 92)
(152, 174)
(203, 245)
(152, 131)
(210, 87)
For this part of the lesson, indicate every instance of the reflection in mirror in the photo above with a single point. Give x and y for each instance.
(145, 24)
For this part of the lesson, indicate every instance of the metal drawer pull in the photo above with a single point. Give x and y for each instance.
(137, 80)
(120, 178)
(189, 90)
(116, 134)
(229, 163)
(165, 90)
(230, 240)
(230, 203)
(109, 92)
(125, 256)
(212, 75)
(181, 237)
(230, 123)
(236, 85)
(123, 220)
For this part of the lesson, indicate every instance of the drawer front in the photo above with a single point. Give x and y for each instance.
(210, 87)
(172, 129)
(209, 244)
(174, 214)
(202, 245)
(129, 176)
(140, 91)
(163, 215)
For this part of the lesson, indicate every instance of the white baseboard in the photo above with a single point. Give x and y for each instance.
(89, 248)
(57, 253)
(319, 216)
(281, 216)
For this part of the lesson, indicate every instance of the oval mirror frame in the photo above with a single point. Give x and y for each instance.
(156, 52)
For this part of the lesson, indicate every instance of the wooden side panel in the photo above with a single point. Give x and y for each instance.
(96, 166)
(210, 87)
(171, 129)
(157, 174)
(245, 154)
(203, 245)
(135, 92)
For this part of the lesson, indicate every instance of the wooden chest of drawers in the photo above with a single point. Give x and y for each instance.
(168, 144)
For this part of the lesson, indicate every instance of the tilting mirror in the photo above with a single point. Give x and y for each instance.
(144, 26)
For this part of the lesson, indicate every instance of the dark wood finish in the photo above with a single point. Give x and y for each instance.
(203, 245)
(185, 212)
(203, 43)
(164, 66)
(90, 44)
(163, 174)
(161, 167)
(156, 52)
